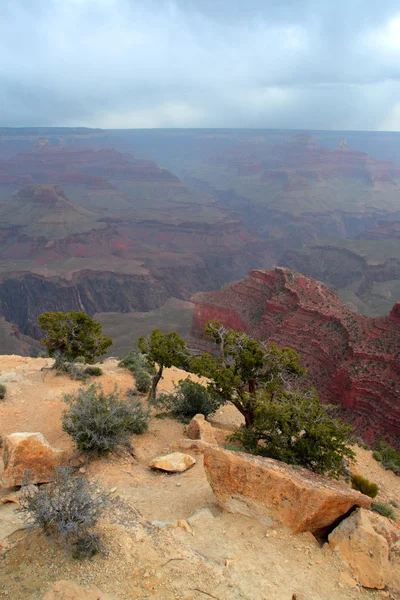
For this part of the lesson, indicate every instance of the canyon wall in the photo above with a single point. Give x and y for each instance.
(353, 360)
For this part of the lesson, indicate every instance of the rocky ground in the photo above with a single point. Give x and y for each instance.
(211, 554)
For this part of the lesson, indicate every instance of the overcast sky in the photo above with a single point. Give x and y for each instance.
(322, 64)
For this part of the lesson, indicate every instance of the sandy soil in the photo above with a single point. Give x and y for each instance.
(220, 556)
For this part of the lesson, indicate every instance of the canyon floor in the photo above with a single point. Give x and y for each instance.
(220, 555)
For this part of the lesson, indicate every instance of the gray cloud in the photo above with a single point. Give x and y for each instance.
(195, 63)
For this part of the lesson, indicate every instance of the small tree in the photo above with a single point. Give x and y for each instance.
(71, 335)
(99, 422)
(163, 350)
(244, 368)
(296, 428)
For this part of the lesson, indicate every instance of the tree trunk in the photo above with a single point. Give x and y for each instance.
(154, 384)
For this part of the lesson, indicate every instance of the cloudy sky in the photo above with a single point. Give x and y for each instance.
(327, 64)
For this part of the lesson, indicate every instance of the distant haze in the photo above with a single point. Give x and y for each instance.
(312, 64)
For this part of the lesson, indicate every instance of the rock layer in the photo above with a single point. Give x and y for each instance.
(28, 454)
(352, 359)
(275, 492)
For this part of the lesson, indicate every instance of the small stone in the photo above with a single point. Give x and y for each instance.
(173, 463)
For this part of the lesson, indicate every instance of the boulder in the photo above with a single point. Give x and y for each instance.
(173, 463)
(275, 492)
(68, 590)
(200, 429)
(29, 452)
(363, 549)
(187, 445)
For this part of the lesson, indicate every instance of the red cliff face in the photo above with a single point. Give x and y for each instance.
(353, 360)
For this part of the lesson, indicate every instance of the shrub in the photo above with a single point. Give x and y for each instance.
(189, 399)
(67, 509)
(73, 335)
(3, 391)
(363, 485)
(93, 371)
(136, 361)
(99, 422)
(384, 510)
(388, 456)
(142, 381)
(394, 503)
(296, 428)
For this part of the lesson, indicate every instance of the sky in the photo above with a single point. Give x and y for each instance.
(307, 64)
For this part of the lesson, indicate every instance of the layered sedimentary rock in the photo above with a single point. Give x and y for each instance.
(104, 231)
(351, 359)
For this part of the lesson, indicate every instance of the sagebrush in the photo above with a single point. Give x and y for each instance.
(99, 422)
(142, 381)
(67, 509)
(388, 456)
(364, 485)
(189, 399)
(384, 509)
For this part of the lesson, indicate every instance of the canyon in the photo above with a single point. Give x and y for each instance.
(351, 359)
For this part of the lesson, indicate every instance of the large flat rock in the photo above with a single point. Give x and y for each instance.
(275, 492)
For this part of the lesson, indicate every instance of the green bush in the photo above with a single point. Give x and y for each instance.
(73, 335)
(394, 503)
(189, 399)
(136, 361)
(68, 509)
(296, 428)
(3, 391)
(363, 485)
(388, 456)
(384, 510)
(99, 422)
(94, 371)
(142, 381)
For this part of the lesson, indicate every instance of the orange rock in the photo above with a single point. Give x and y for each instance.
(68, 590)
(273, 491)
(363, 550)
(200, 429)
(29, 452)
(187, 445)
(173, 463)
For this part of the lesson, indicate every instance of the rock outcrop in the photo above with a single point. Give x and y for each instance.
(364, 540)
(352, 359)
(200, 429)
(28, 454)
(177, 462)
(275, 492)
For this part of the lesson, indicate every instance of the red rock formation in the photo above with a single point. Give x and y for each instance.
(352, 359)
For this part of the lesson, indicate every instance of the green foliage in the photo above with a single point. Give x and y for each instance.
(136, 361)
(99, 422)
(388, 456)
(189, 399)
(3, 391)
(394, 503)
(364, 485)
(164, 350)
(384, 510)
(296, 428)
(68, 509)
(143, 381)
(244, 368)
(93, 371)
(71, 335)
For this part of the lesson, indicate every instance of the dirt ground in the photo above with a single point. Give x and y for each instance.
(217, 555)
